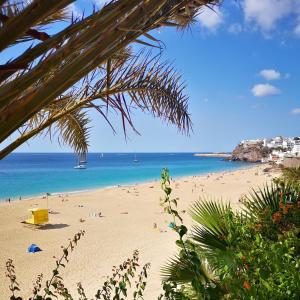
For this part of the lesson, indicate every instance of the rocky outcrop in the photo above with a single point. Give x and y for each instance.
(253, 153)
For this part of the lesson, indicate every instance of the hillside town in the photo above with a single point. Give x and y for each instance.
(280, 150)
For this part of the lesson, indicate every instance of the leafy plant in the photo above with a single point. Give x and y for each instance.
(187, 269)
(252, 254)
(291, 175)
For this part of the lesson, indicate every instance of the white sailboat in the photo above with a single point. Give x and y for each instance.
(135, 159)
(81, 162)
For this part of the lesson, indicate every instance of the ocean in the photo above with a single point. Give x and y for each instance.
(33, 174)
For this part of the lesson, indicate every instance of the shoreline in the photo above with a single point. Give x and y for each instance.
(95, 189)
(131, 218)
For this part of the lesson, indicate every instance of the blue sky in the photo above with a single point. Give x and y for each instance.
(241, 66)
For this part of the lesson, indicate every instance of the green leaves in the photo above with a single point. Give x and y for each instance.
(116, 286)
(252, 255)
(267, 199)
(211, 230)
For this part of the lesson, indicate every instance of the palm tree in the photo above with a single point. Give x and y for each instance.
(88, 64)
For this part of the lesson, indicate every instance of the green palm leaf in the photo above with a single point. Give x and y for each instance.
(210, 215)
(269, 197)
(212, 233)
(179, 270)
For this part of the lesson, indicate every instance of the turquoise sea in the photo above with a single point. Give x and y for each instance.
(32, 174)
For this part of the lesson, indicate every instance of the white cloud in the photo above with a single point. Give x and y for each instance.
(295, 111)
(235, 28)
(265, 90)
(270, 74)
(266, 13)
(210, 19)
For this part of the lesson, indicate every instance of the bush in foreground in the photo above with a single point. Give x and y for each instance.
(251, 254)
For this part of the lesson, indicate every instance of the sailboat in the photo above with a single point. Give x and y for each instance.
(82, 159)
(81, 162)
(135, 159)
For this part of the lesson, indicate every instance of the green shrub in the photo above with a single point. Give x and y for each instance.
(251, 254)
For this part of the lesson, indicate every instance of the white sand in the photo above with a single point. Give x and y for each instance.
(110, 239)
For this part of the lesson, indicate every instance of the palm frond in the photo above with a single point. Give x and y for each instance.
(209, 241)
(260, 199)
(72, 130)
(19, 19)
(151, 86)
(33, 80)
(179, 270)
(92, 49)
(127, 82)
(212, 232)
(211, 216)
(12, 8)
(269, 197)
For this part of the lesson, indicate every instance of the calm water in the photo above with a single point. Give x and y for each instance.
(33, 174)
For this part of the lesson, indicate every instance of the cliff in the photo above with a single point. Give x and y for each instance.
(253, 153)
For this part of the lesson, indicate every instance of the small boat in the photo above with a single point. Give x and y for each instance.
(81, 162)
(80, 166)
(135, 159)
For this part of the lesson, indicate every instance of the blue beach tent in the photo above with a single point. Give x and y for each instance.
(33, 248)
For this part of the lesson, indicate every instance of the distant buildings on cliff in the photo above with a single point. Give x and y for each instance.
(281, 150)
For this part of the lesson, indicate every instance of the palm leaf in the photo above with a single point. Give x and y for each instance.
(210, 215)
(179, 270)
(73, 130)
(269, 197)
(212, 233)
(71, 58)
(126, 83)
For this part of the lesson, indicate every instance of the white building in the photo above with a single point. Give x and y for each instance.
(296, 150)
(249, 143)
(281, 147)
(288, 143)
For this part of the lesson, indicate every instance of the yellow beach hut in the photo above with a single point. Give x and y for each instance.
(38, 216)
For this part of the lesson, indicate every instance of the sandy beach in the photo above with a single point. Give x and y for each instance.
(127, 223)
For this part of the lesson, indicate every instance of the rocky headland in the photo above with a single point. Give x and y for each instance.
(249, 153)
